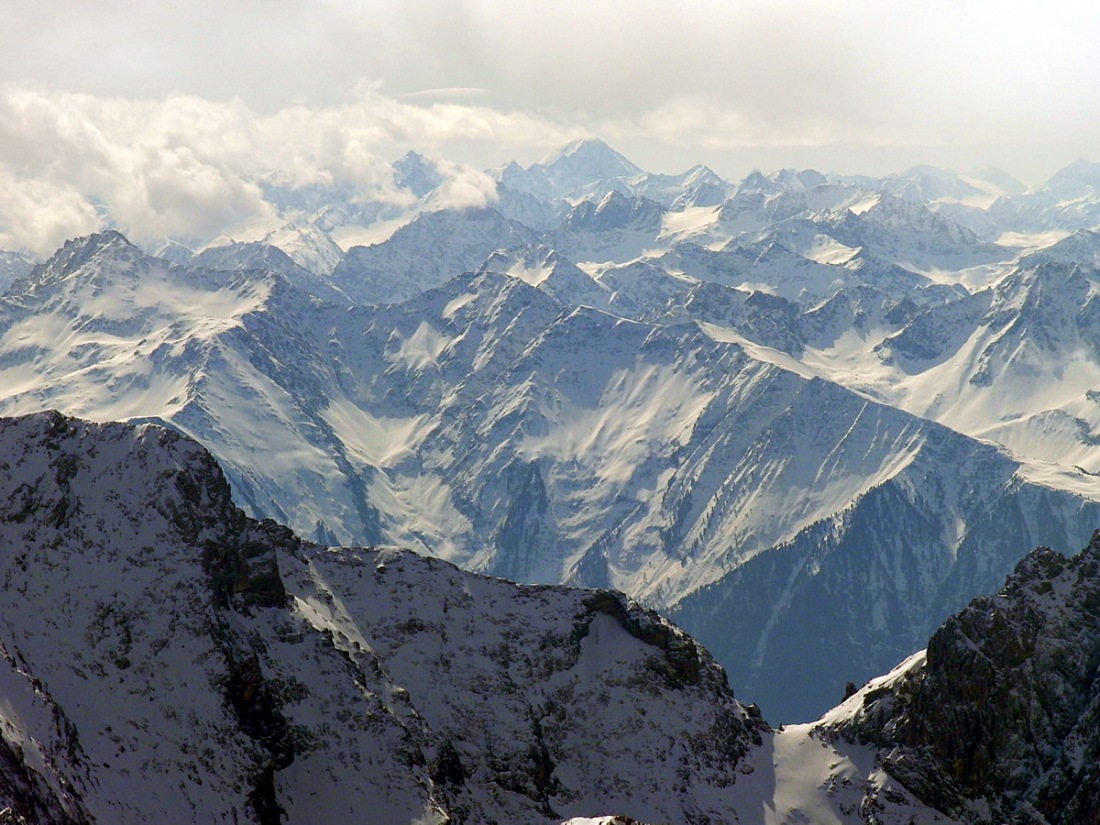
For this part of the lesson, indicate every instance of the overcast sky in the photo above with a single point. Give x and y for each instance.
(213, 91)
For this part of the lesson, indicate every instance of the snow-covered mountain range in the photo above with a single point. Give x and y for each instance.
(797, 397)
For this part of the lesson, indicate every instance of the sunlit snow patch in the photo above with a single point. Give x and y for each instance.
(825, 250)
(420, 350)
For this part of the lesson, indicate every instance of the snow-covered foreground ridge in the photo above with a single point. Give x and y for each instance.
(165, 658)
(168, 659)
(998, 721)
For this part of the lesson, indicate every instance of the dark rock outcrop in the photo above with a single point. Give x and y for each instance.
(1001, 723)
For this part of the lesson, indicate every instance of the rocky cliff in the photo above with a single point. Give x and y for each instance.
(1000, 721)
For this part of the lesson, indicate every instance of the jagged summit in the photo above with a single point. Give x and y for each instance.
(613, 211)
(103, 255)
(699, 174)
(781, 180)
(98, 240)
(757, 181)
(580, 169)
(109, 243)
(417, 174)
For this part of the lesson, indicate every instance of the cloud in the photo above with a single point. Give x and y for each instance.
(857, 63)
(156, 170)
(192, 169)
(455, 93)
(462, 187)
(38, 216)
(704, 122)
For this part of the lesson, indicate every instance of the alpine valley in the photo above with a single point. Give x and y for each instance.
(807, 416)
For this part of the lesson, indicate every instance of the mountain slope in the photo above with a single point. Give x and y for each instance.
(105, 331)
(868, 585)
(1015, 363)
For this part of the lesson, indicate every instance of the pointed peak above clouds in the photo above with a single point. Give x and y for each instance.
(417, 173)
(580, 169)
(591, 154)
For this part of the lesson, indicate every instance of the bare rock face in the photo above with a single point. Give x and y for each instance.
(1002, 721)
(165, 658)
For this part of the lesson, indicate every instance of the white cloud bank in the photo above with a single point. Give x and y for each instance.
(189, 168)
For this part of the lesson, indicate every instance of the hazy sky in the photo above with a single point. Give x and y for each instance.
(199, 94)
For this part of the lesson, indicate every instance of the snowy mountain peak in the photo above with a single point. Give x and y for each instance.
(583, 167)
(922, 170)
(301, 239)
(173, 251)
(109, 249)
(699, 174)
(784, 180)
(999, 178)
(89, 246)
(1081, 247)
(417, 174)
(757, 181)
(591, 154)
(244, 255)
(1079, 176)
(613, 211)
